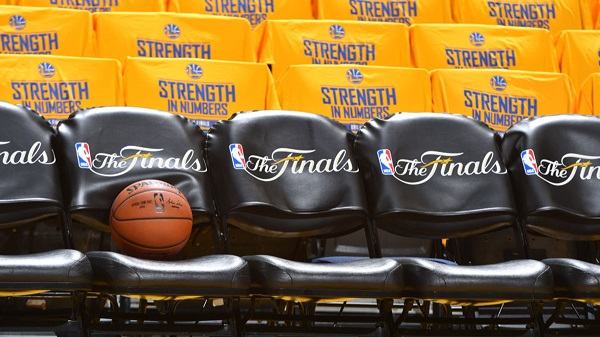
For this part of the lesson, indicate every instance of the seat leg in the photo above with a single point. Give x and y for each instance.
(78, 317)
(537, 313)
(237, 328)
(385, 309)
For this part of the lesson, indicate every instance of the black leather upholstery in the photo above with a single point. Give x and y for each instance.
(55, 270)
(217, 275)
(368, 277)
(30, 190)
(30, 184)
(575, 279)
(513, 280)
(300, 178)
(441, 176)
(447, 179)
(292, 174)
(560, 197)
(127, 145)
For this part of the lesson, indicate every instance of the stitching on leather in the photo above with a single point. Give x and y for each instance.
(538, 278)
(122, 265)
(399, 266)
(236, 273)
(76, 264)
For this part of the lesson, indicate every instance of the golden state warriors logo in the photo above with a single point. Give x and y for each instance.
(354, 76)
(172, 31)
(498, 83)
(46, 69)
(477, 39)
(17, 22)
(194, 71)
(337, 32)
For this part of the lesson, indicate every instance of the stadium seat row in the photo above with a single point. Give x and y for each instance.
(549, 14)
(207, 91)
(285, 43)
(299, 175)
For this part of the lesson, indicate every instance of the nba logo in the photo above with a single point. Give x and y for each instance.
(529, 163)
(237, 156)
(385, 162)
(84, 158)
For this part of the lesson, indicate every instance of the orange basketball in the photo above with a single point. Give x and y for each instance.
(151, 219)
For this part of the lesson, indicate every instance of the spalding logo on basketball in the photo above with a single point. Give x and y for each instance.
(151, 219)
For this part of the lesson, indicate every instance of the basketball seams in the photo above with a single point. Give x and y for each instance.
(113, 209)
(129, 228)
(150, 218)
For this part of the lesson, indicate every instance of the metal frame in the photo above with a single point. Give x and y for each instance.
(160, 317)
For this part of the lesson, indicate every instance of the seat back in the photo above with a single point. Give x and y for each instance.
(434, 176)
(30, 180)
(554, 163)
(104, 150)
(286, 174)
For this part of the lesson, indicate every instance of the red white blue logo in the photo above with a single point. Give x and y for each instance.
(237, 156)
(386, 163)
(18, 22)
(529, 162)
(84, 157)
(337, 32)
(172, 31)
(477, 39)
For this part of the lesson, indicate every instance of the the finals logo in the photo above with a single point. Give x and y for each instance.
(420, 170)
(271, 167)
(563, 171)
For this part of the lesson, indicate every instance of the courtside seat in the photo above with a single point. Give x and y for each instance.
(31, 192)
(449, 184)
(515, 280)
(554, 163)
(361, 278)
(292, 175)
(217, 275)
(175, 145)
(57, 270)
(575, 279)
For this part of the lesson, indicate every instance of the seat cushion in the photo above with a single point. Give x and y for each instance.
(57, 270)
(574, 279)
(215, 275)
(360, 278)
(472, 285)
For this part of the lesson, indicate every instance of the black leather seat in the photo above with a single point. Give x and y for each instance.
(217, 275)
(554, 164)
(362, 278)
(519, 279)
(57, 270)
(120, 133)
(292, 175)
(31, 192)
(451, 183)
(575, 279)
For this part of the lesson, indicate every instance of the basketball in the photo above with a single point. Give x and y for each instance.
(151, 219)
